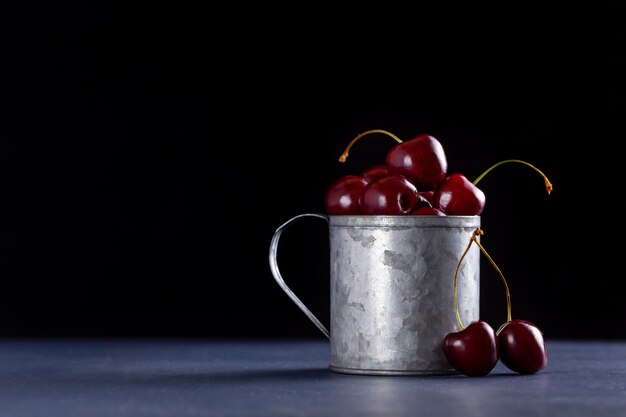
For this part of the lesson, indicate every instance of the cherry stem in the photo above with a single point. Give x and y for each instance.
(456, 275)
(474, 239)
(506, 286)
(344, 155)
(545, 179)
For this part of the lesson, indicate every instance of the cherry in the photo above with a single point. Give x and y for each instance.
(375, 172)
(392, 195)
(522, 348)
(472, 351)
(457, 196)
(421, 159)
(428, 211)
(342, 197)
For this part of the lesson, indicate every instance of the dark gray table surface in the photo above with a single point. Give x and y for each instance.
(65, 378)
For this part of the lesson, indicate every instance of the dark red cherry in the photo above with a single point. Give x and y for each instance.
(342, 197)
(375, 172)
(428, 211)
(421, 159)
(522, 348)
(392, 195)
(472, 351)
(457, 196)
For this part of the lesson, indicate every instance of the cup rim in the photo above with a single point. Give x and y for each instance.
(403, 221)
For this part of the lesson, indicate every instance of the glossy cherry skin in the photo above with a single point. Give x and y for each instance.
(421, 159)
(342, 197)
(428, 211)
(375, 172)
(472, 351)
(457, 196)
(392, 195)
(522, 348)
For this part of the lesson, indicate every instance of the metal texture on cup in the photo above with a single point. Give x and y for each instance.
(392, 290)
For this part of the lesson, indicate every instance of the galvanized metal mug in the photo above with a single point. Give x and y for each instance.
(392, 290)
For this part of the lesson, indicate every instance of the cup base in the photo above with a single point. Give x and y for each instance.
(393, 372)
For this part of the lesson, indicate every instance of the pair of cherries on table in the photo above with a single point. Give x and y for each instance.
(414, 181)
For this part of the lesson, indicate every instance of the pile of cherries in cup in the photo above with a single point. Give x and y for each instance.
(415, 182)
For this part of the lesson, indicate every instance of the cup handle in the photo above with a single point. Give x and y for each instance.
(279, 278)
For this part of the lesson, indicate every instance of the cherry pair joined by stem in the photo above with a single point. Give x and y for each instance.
(475, 350)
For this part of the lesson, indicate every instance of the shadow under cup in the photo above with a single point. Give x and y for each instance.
(392, 290)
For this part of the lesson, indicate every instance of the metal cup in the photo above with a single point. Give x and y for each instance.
(391, 292)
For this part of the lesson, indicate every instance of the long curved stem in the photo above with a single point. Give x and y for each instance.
(506, 286)
(545, 179)
(344, 155)
(456, 274)
(474, 239)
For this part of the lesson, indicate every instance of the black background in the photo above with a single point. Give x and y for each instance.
(148, 154)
